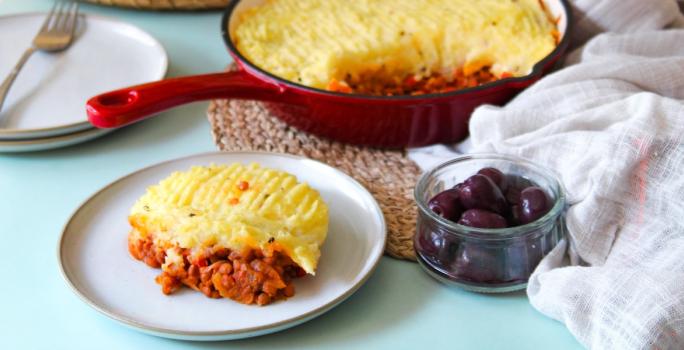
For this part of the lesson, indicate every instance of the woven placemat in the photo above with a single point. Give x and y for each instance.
(239, 125)
(165, 4)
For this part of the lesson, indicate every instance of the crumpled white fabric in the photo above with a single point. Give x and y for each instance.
(611, 124)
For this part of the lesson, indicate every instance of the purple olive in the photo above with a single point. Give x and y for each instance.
(514, 217)
(496, 176)
(533, 204)
(518, 181)
(482, 219)
(477, 264)
(515, 185)
(430, 242)
(436, 247)
(480, 192)
(513, 195)
(446, 204)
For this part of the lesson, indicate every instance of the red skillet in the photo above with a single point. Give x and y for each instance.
(395, 121)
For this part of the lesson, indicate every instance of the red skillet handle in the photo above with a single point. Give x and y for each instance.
(122, 107)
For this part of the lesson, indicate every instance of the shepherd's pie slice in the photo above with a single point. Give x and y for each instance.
(241, 232)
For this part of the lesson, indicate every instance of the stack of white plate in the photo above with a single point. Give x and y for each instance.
(45, 107)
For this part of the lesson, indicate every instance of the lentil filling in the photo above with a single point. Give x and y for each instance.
(249, 277)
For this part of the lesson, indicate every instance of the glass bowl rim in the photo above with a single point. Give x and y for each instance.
(491, 233)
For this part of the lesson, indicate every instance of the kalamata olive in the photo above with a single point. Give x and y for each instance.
(482, 219)
(437, 247)
(518, 181)
(480, 192)
(446, 204)
(430, 242)
(515, 185)
(477, 264)
(513, 195)
(496, 176)
(514, 217)
(533, 204)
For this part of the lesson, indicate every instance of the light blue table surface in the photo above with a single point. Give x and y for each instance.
(400, 307)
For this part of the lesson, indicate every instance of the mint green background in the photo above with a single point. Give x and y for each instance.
(400, 307)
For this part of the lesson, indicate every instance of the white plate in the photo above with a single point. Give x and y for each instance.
(95, 262)
(47, 143)
(48, 98)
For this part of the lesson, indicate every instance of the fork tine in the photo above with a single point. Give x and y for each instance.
(46, 23)
(72, 18)
(59, 20)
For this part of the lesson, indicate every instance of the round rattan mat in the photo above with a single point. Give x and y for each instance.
(240, 125)
(165, 4)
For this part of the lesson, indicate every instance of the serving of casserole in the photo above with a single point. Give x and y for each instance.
(390, 47)
(232, 231)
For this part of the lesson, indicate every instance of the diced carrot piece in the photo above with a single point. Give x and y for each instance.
(339, 86)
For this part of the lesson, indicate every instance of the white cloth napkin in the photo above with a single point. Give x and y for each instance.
(611, 124)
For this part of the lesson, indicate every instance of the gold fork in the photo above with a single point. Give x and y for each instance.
(55, 35)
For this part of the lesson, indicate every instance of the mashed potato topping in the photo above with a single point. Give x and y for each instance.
(334, 44)
(234, 207)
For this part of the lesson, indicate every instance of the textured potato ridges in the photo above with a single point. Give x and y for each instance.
(318, 42)
(211, 189)
(235, 206)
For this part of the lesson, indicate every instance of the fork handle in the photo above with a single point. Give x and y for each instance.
(4, 88)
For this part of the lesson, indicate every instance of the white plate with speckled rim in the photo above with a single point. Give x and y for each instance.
(48, 97)
(95, 263)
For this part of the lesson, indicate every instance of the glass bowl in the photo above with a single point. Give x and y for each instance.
(479, 259)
